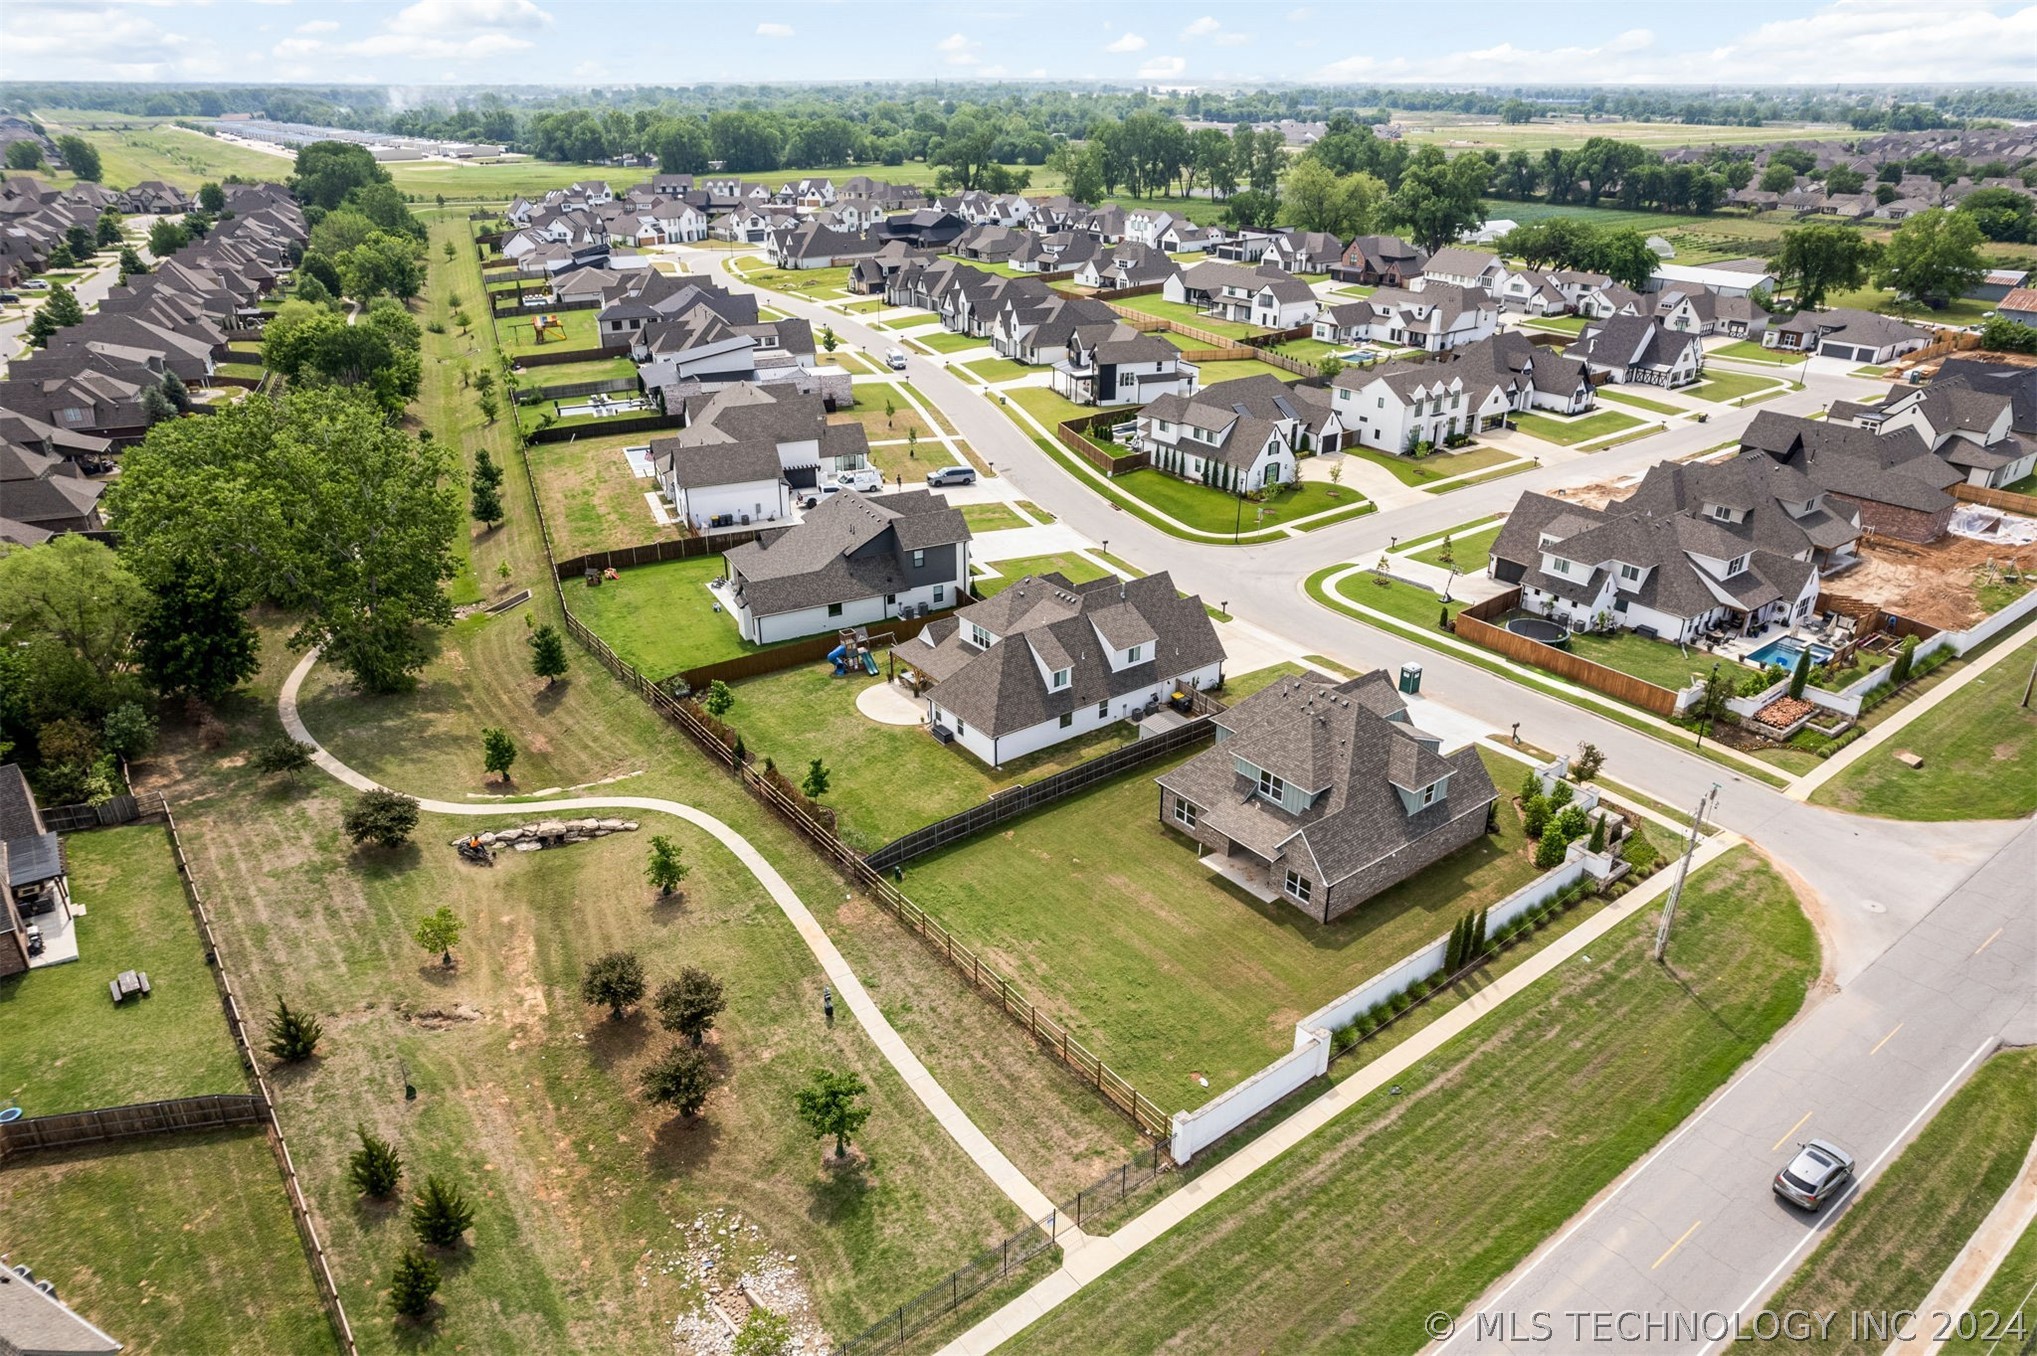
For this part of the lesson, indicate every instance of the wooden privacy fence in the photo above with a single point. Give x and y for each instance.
(1871, 618)
(119, 810)
(516, 307)
(793, 653)
(2008, 500)
(174, 1116)
(650, 553)
(1472, 625)
(560, 357)
(1073, 434)
(647, 422)
(1024, 799)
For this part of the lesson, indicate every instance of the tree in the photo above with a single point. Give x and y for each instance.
(1801, 675)
(1623, 256)
(166, 237)
(1598, 835)
(2001, 213)
(293, 1036)
(439, 931)
(690, 1003)
(831, 1104)
(1253, 207)
(81, 157)
(128, 732)
(1822, 258)
(1327, 367)
(1438, 199)
(375, 1168)
(827, 338)
(681, 1078)
(615, 981)
(548, 654)
(489, 409)
(665, 870)
(194, 638)
(2000, 334)
(681, 146)
(131, 265)
(61, 255)
(1933, 257)
(282, 754)
(24, 155)
(1590, 759)
(329, 170)
(440, 1216)
(155, 406)
(413, 1284)
(68, 613)
(721, 699)
(1778, 179)
(212, 198)
(486, 504)
(1534, 815)
(384, 818)
(815, 784)
(764, 1333)
(498, 752)
(1899, 667)
(60, 311)
(1550, 850)
(83, 240)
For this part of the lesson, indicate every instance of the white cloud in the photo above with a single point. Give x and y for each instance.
(768, 30)
(1201, 28)
(1233, 39)
(960, 51)
(1130, 42)
(1163, 68)
(318, 26)
(455, 30)
(443, 17)
(292, 48)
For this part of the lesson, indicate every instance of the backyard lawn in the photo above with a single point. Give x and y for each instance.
(593, 501)
(1979, 748)
(661, 617)
(1188, 315)
(947, 341)
(990, 518)
(1569, 432)
(1437, 465)
(1556, 324)
(886, 780)
(1721, 387)
(1076, 569)
(1885, 1253)
(64, 1046)
(1051, 409)
(1428, 1194)
(594, 369)
(174, 1244)
(1108, 920)
(1309, 350)
(1467, 550)
(1652, 661)
(1233, 369)
(1748, 351)
(574, 330)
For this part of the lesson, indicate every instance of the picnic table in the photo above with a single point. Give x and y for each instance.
(128, 984)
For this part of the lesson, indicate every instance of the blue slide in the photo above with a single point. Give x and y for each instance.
(839, 658)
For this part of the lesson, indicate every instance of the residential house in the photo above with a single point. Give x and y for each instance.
(1120, 366)
(1324, 793)
(1304, 251)
(1689, 309)
(1240, 435)
(1129, 265)
(742, 450)
(1379, 261)
(1045, 661)
(1899, 487)
(812, 245)
(1638, 350)
(1267, 296)
(1967, 416)
(855, 560)
(1398, 407)
(925, 228)
(1855, 336)
(33, 880)
(1436, 319)
(1478, 270)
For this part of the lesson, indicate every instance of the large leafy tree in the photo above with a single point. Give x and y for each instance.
(1933, 257)
(59, 312)
(1822, 258)
(81, 156)
(328, 170)
(1438, 199)
(68, 611)
(681, 146)
(195, 640)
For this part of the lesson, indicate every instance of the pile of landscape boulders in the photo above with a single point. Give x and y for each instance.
(550, 833)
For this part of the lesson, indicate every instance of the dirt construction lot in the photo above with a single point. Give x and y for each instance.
(1940, 584)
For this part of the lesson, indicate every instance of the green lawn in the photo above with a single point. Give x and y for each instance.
(1721, 387)
(887, 780)
(1959, 311)
(1232, 369)
(661, 617)
(2010, 1295)
(1050, 409)
(1035, 510)
(874, 304)
(1979, 748)
(1237, 688)
(1749, 351)
(1638, 402)
(1157, 305)
(1889, 1249)
(1076, 569)
(593, 501)
(1409, 602)
(1309, 350)
(800, 281)
(1426, 1195)
(1438, 465)
(1652, 661)
(1557, 324)
(910, 322)
(64, 1046)
(1108, 919)
(564, 374)
(1467, 550)
(181, 1243)
(1214, 510)
(1000, 369)
(517, 337)
(1569, 432)
(991, 518)
(943, 341)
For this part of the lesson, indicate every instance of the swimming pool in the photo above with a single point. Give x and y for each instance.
(1785, 651)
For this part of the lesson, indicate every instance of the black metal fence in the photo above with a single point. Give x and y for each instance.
(566, 390)
(1024, 799)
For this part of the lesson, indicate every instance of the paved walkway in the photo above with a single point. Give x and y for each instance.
(1975, 1266)
(1014, 1184)
(1104, 1253)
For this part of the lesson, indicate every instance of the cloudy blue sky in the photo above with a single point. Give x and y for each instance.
(1186, 43)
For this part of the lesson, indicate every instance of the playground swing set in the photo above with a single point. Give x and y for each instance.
(545, 327)
(858, 650)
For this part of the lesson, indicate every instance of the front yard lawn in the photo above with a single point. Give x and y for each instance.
(1051, 409)
(946, 341)
(1000, 369)
(902, 423)
(1747, 351)
(912, 321)
(1638, 402)
(1427, 1194)
(1077, 570)
(1652, 661)
(1569, 432)
(1721, 387)
(1466, 550)
(1979, 748)
(64, 1046)
(1107, 920)
(1889, 1249)
(1236, 689)
(815, 281)
(661, 617)
(1189, 316)
(1213, 510)
(990, 518)
(885, 780)
(593, 501)
(1438, 465)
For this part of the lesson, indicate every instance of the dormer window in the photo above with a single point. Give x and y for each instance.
(1135, 654)
(1429, 793)
(1630, 573)
(979, 637)
(1061, 678)
(1735, 565)
(1558, 565)
(1722, 513)
(1271, 787)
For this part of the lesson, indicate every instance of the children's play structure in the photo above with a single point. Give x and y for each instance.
(544, 327)
(858, 650)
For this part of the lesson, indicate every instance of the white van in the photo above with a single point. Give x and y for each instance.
(865, 480)
(894, 358)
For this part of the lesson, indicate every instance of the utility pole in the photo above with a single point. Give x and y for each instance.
(1697, 824)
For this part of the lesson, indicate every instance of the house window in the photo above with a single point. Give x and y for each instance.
(1735, 565)
(1133, 655)
(919, 558)
(1630, 573)
(940, 593)
(1298, 887)
(1270, 786)
(1103, 709)
(1559, 565)
(1429, 794)
(1061, 678)
(834, 609)
(979, 637)
(1067, 719)
(1185, 813)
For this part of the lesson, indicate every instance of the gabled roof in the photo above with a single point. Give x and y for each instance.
(851, 546)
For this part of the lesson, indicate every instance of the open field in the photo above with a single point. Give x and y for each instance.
(592, 499)
(1576, 1078)
(1164, 970)
(172, 1245)
(886, 780)
(1979, 748)
(129, 156)
(1458, 131)
(809, 282)
(1892, 1245)
(563, 374)
(1570, 432)
(64, 1046)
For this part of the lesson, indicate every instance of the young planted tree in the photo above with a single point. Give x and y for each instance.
(498, 752)
(413, 1284)
(440, 1215)
(614, 981)
(384, 818)
(815, 784)
(548, 654)
(1598, 835)
(283, 755)
(489, 409)
(831, 1103)
(721, 699)
(375, 1168)
(665, 869)
(890, 409)
(681, 1078)
(60, 311)
(1590, 759)
(690, 1003)
(440, 932)
(1899, 667)
(1534, 815)
(827, 338)
(293, 1036)
(485, 502)
(1800, 675)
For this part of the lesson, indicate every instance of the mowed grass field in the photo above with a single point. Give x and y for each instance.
(1425, 1196)
(1106, 918)
(593, 501)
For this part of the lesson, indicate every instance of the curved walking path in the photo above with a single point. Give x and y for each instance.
(1016, 1186)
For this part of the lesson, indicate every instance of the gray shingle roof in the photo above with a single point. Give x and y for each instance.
(848, 547)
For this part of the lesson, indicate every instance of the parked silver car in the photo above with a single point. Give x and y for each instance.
(1819, 1172)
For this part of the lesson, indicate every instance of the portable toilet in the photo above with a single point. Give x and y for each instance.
(1411, 677)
